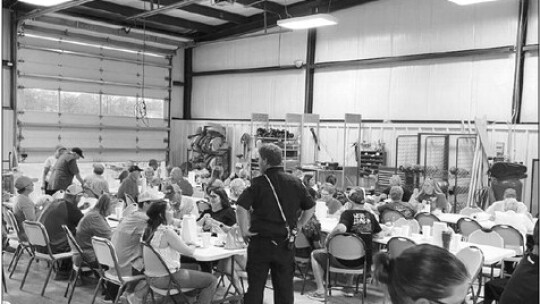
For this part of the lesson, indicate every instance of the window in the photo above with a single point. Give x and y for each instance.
(79, 103)
(38, 100)
(118, 105)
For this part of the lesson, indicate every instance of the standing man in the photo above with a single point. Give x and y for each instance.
(65, 170)
(49, 165)
(271, 244)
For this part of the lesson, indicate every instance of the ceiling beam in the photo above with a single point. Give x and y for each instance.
(268, 6)
(296, 10)
(42, 11)
(158, 10)
(207, 11)
(124, 32)
(127, 12)
(115, 19)
(98, 40)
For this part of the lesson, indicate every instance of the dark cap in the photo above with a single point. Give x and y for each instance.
(134, 168)
(78, 151)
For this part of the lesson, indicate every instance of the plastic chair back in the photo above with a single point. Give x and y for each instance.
(473, 258)
(414, 227)
(346, 247)
(486, 237)
(36, 233)
(397, 245)
(390, 216)
(468, 211)
(466, 226)
(426, 219)
(513, 239)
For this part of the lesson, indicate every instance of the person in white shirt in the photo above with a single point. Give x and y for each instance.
(509, 193)
(49, 165)
(511, 217)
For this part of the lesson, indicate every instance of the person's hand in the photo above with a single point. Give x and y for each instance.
(246, 235)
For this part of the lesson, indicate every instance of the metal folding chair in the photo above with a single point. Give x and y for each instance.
(301, 263)
(414, 227)
(397, 245)
(473, 258)
(22, 246)
(106, 256)
(76, 268)
(466, 226)
(468, 211)
(426, 219)
(491, 238)
(390, 216)
(513, 239)
(345, 247)
(153, 263)
(38, 236)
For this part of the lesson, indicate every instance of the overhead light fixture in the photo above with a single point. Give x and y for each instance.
(45, 2)
(468, 2)
(311, 21)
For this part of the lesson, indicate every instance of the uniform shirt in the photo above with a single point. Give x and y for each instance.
(23, 209)
(364, 224)
(92, 224)
(522, 287)
(63, 172)
(97, 184)
(266, 220)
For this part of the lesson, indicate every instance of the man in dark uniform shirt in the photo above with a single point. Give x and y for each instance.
(262, 224)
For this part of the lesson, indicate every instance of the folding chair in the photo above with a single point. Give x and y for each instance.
(473, 258)
(345, 246)
(466, 226)
(38, 236)
(397, 245)
(491, 238)
(426, 219)
(22, 246)
(390, 216)
(513, 239)
(301, 263)
(106, 256)
(154, 264)
(468, 211)
(414, 227)
(77, 268)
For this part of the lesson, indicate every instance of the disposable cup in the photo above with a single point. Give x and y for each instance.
(206, 239)
(426, 231)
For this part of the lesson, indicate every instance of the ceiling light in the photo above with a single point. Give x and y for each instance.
(45, 2)
(311, 21)
(468, 2)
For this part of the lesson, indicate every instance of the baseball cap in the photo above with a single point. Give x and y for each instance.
(150, 196)
(78, 151)
(134, 168)
(74, 189)
(23, 182)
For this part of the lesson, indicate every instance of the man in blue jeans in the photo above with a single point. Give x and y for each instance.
(262, 225)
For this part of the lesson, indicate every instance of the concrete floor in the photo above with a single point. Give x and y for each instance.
(54, 294)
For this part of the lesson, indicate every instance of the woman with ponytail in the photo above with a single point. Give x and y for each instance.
(423, 274)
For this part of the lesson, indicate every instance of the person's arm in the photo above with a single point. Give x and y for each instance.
(305, 217)
(340, 228)
(243, 218)
(177, 243)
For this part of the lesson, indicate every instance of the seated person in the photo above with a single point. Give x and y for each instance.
(312, 232)
(331, 179)
(430, 194)
(221, 215)
(395, 180)
(358, 221)
(309, 182)
(177, 177)
(130, 185)
(396, 204)
(179, 204)
(94, 223)
(511, 217)
(95, 184)
(236, 186)
(522, 287)
(234, 174)
(423, 274)
(170, 246)
(23, 207)
(509, 193)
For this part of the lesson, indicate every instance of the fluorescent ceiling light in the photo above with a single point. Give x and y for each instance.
(45, 2)
(311, 21)
(468, 2)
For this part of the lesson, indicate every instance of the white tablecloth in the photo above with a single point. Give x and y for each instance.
(452, 218)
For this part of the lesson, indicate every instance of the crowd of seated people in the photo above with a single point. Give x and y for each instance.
(164, 201)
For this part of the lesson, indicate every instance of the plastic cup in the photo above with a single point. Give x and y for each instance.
(118, 212)
(426, 231)
(206, 239)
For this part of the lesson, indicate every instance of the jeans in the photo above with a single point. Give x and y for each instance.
(206, 282)
(266, 254)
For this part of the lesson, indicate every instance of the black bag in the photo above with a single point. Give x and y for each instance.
(505, 170)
